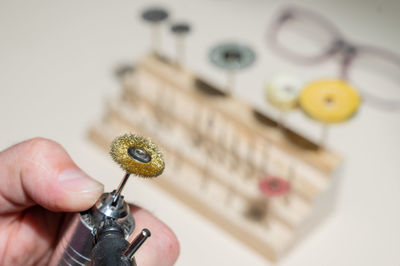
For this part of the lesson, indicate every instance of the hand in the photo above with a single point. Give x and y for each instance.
(39, 183)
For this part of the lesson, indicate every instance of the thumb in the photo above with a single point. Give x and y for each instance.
(40, 171)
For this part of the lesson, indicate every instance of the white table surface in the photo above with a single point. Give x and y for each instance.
(56, 63)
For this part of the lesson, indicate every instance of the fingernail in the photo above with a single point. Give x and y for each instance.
(77, 181)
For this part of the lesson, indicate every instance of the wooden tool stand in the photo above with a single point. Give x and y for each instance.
(217, 149)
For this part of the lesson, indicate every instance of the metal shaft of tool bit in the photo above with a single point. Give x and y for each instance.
(120, 187)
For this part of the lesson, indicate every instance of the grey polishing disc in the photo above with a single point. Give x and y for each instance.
(180, 28)
(232, 56)
(123, 70)
(155, 15)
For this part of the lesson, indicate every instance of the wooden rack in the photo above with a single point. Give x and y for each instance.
(217, 147)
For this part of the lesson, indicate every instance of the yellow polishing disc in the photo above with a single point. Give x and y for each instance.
(137, 155)
(330, 100)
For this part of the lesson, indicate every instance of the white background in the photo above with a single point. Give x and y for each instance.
(56, 64)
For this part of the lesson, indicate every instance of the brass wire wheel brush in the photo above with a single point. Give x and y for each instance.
(137, 155)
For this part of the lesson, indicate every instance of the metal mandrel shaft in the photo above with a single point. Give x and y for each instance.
(121, 187)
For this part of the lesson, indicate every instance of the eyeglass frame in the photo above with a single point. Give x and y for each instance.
(340, 46)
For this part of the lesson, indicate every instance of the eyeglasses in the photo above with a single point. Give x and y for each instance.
(308, 38)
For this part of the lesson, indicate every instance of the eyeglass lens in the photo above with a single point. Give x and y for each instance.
(305, 37)
(377, 77)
